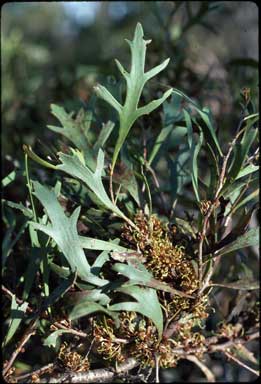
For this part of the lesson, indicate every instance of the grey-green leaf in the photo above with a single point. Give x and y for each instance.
(63, 230)
(243, 284)
(138, 274)
(51, 340)
(76, 130)
(249, 239)
(17, 314)
(195, 148)
(241, 151)
(147, 304)
(135, 80)
(100, 245)
(85, 309)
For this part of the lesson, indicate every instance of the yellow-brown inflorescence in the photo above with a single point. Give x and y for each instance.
(72, 361)
(166, 259)
(205, 206)
(108, 345)
(136, 337)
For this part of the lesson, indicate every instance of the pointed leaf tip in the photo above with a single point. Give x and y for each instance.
(138, 31)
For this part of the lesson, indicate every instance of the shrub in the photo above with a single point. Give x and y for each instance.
(167, 213)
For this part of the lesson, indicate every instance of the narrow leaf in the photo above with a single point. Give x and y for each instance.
(247, 170)
(240, 284)
(195, 148)
(249, 239)
(104, 94)
(17, 314)
(241, 151)
(8, 179)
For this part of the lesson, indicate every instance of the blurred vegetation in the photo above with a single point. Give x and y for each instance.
(50, 56)
(51, 53)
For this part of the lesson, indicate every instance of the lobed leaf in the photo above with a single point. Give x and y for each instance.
(76, 130)
(84, 309)
(135, 80)
(63, 230)
(147, 304)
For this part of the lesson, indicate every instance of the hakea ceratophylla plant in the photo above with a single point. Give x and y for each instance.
(137, 291)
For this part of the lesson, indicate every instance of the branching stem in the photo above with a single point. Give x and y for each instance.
(215, 203)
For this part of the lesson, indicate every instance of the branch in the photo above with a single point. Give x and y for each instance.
(232, 357)
(37, 372)
(103, 375)
(19, 301)
(209, 375)
(211, 208)
(28, 333)
(109, 374)
(211, 345)
(71, 330)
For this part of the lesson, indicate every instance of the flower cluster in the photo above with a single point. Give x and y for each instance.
(165, 256)
(72, 361)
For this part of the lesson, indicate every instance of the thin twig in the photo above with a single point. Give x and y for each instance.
(232, 357)
(155, 179)
(211, 345)
(39, 372)
(213, 206)
(253, 157)
(111, 186)
(71, 330)
(117, 194)
(209, 375)
(105, 375)
(156, 357)
(19, 301)
(28, 333)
